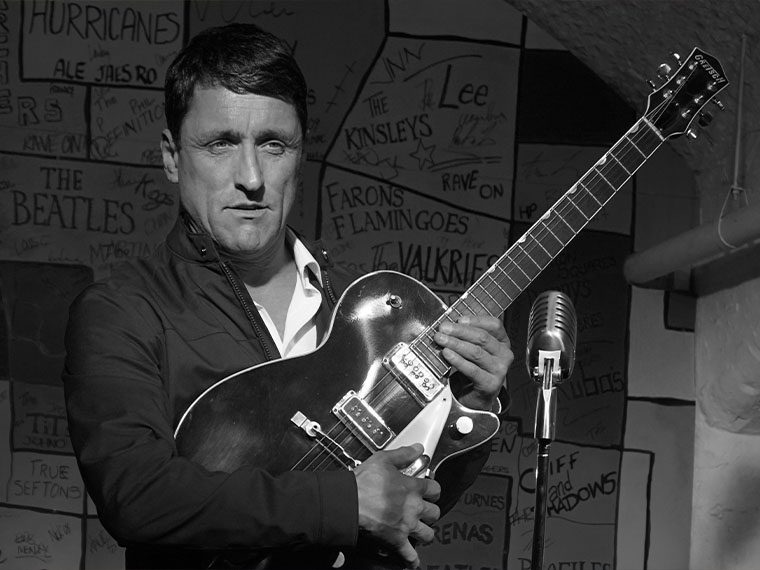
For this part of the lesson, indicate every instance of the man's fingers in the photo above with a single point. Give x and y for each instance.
(430, 513)
(466, 326)
(407, 552)
(423, 533)
(403, 456)
(431, 490)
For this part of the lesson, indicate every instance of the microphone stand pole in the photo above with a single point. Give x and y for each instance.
(546, 412)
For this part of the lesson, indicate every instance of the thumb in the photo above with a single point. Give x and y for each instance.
(403, 456)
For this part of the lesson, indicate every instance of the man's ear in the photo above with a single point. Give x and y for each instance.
(170, 154)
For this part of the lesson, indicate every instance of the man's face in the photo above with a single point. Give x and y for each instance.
(238, 167)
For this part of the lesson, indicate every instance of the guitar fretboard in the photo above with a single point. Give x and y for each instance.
(516, 269)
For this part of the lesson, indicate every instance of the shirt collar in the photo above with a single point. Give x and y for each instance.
(305, 262)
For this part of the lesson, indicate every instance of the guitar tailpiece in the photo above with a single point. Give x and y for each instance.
(314, 431)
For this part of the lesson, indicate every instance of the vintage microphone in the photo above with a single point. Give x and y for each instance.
(550, 355)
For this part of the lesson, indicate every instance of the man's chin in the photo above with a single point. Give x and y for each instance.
(251, 245)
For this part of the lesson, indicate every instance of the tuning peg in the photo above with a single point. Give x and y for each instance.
(692, 133)
(664, 71)
(705, 119)
(677, 58)
(718, 104)
(651, 84)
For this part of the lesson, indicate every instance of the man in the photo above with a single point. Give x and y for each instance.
(231, 287)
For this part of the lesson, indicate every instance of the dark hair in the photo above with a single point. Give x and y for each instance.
(240, 57)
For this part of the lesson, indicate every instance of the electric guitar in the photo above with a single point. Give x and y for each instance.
(378, 381)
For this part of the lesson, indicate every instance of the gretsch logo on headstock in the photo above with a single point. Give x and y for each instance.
(710, 69)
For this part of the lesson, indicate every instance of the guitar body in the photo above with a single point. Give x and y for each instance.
(245, 419)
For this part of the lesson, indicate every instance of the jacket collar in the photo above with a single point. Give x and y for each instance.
(189, 240)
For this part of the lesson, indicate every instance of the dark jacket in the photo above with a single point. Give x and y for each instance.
(141, 347)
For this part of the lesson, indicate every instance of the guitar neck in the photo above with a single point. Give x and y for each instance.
(516, 269)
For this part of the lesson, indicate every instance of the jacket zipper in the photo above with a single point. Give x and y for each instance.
(260, 335)
(326, 279)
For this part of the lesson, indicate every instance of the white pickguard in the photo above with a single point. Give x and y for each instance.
(426, 429)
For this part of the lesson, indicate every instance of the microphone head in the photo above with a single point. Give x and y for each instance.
(551, 334)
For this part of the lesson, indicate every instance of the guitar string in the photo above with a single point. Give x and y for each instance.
(595, 178)
(597, 173)
(388, 383)
(562, 211)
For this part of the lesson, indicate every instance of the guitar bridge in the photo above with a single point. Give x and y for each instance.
(413, 373)
(362, 420)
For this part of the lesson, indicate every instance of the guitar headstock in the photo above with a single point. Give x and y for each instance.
(681, 99)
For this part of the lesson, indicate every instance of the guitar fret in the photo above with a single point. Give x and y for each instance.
(628, 172)
(540, 254)
(522, 271)
(481, 304)
(499, 286)
(582, 185)
(636, 147)
(513, 281)
(562, 243)
(528, 256)
(599, 172)
(507, 295)
(498, 292)
(569, 199)
(542, 247)
(571, 228)
(492, 298)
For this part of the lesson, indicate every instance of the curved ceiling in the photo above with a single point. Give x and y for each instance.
(624, 42)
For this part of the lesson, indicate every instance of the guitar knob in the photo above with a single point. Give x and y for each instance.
(463, 426)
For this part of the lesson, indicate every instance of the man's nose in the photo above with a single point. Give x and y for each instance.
(248, 175)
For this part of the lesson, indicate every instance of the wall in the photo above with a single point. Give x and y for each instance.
(438, 135)
(726, 511)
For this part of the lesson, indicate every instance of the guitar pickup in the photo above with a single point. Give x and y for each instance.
(364, 421)
(413, 373)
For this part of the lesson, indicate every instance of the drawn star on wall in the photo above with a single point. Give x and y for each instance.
(423, 154)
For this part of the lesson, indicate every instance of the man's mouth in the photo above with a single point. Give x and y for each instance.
(248, 211)
(247, 207)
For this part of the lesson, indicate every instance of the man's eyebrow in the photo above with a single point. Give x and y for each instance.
(265, 135)
(221, 134)
(279, 134)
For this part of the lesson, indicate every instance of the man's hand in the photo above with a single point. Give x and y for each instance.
(480, 349)
(394, 507)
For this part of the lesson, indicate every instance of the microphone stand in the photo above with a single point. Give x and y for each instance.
(546, 412)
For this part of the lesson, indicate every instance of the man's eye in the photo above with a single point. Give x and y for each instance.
(219, 145)
(274, 147)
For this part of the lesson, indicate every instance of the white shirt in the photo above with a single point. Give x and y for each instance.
(300, 334)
